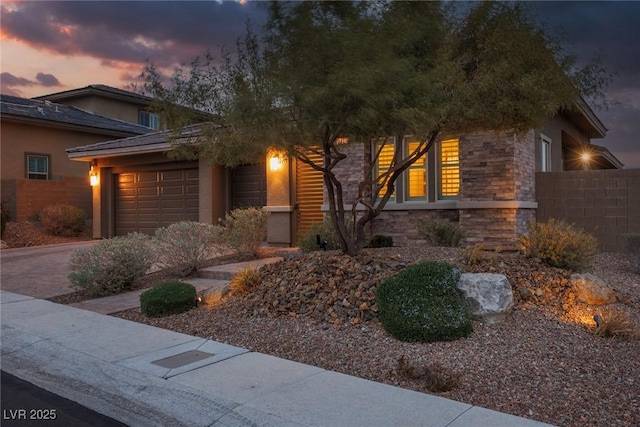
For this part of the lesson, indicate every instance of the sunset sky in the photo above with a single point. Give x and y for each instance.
(52, 46)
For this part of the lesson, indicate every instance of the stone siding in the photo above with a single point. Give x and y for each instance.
(402, 225)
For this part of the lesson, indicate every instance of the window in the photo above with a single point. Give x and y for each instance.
(449, 169)
(387, 148)
(417, 173)
(545, 153)
(149, 120)
(38, 166)
(414, 185)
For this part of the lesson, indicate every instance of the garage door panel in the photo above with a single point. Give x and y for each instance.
(146, 201)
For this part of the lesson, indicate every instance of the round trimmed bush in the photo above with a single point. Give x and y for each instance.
(167, 298)
(422, 303)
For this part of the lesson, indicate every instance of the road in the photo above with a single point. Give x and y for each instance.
(25, 405)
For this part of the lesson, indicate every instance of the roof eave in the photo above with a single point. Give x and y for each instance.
(596, 128)
(86, 156)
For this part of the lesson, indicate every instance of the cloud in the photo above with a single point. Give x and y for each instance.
(167, 33)
(10, 84)
(47, 80)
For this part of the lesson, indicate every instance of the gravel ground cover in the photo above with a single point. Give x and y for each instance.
(543, 362)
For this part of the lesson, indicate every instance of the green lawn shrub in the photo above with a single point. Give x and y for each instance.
(381, 241)
(422, 303)
(307, 242)
(185, 246)
(167, 298)
(112, 265)
(244, 230)
(559, 244)
(63, 220)
(441, 232)
(631, 246)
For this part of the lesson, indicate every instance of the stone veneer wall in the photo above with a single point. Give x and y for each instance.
(402, 225)
(350, 171)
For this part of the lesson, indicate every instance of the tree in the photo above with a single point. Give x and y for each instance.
(322, 73)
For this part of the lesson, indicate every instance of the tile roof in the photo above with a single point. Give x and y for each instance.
(46, 111)
(96, 88)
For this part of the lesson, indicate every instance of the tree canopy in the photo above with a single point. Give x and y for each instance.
(320, 73)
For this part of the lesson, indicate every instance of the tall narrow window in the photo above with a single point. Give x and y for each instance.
(37, 166)
(545, 153)
(449, 169)
(387, 148)
(417, 173)
(149, 120)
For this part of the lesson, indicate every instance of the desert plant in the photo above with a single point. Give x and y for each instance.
(167, 298)
(112, 265)
(308, 241)
(245, 280)
(437, 378)
(381, 241)
(475, 254)
(243, 230)
(185, 246)
(441, 232)
(63, 220)
(631, 246)
(421, 303)
(612, 323)
(559, 244)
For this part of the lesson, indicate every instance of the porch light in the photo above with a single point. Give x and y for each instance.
(586, 156)
(93, 175)
(276, 161)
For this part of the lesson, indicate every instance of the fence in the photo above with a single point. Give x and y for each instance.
(606, 203)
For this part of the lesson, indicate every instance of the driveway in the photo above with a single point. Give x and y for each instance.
(39, 271)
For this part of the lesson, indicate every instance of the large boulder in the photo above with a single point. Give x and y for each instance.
(487, 296)
(592, 290)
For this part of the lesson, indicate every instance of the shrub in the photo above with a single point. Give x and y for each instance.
(167, 298)
(475, 254)
(308, 241)
(441, 233)
(631, 245)
(245, 280)
(380, 241)
(63, 220)
(614, 324)
(244, 230)
(559, 244)
(112, 265)
(185, 246)
(437, 379)
(421, 303)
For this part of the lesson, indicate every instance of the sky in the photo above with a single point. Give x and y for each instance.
(53, 46)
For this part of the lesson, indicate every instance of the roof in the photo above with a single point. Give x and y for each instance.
(151, 143)
(98, 90)
(46, 112)
(604, 158)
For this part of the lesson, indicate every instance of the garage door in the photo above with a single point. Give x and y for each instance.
(147, 200)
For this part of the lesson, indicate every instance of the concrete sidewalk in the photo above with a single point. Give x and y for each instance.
(146, 376)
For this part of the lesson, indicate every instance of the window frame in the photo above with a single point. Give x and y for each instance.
(441, 167)
(406, 144)
(389, 141)
(149, 117)
(33, 175)
(545, 153)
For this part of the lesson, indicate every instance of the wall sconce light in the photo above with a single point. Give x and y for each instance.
(93, 174)
(276, 161)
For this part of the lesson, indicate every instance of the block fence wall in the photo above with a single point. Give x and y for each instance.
(606, 203)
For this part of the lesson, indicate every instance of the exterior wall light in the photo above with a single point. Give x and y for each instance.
(276, 161)
(93, 175)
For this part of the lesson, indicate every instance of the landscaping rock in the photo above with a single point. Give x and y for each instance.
(592, 290)
(487, 296)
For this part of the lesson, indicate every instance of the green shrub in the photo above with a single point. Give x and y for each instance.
(244, 230)
(631, 245)
(421, 303)
(380, 241)
(63, 220)
(441, 232)
(559, 244)
(308, 241)
(112, 265)
(167, 298)
(185, 246)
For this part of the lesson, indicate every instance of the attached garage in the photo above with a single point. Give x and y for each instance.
(147, 200)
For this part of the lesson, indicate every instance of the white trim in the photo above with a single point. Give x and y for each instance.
(278, 208)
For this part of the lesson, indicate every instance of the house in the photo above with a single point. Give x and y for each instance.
(110, 102)
(36, 170)
(484, 180)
